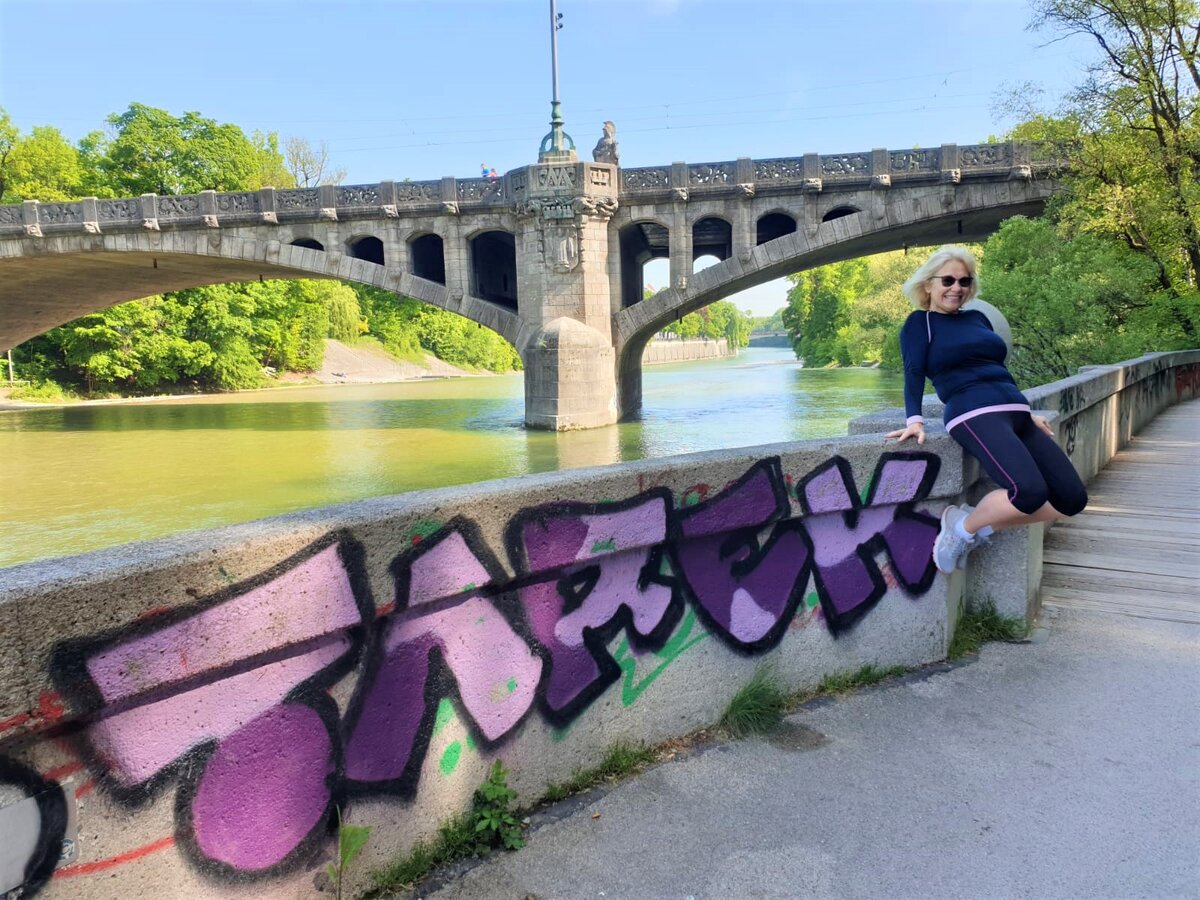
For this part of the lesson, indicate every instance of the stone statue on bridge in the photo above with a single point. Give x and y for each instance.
(606, 148)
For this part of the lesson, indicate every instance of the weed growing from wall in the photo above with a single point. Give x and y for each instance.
(351, 840)
(491, 811)
(982, 624)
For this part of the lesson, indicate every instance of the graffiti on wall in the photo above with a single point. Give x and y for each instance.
(33, 821)
(231, 699)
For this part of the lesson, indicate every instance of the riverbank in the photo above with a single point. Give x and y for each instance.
(663, 352)
(344, 364)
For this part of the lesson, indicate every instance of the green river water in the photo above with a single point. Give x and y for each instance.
(79, 478)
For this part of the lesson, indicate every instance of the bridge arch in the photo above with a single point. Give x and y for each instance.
(493, 271)
(712, 236)
(366, 247)
(427, 256)
(308, 243)
(939, 217)
(840, 211)
(639, 241)
(772, 225)
(94, 272)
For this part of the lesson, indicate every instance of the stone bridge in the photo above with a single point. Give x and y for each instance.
(549, 256)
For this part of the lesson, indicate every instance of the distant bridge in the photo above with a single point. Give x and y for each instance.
(549, 256)
(770, 339)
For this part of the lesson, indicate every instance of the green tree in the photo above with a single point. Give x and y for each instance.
(818, 305)
(152, 151)
(1135, 130)
(8, 138)
(1078, 301)
(42, 166)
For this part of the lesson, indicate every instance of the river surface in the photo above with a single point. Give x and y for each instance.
(78, 478)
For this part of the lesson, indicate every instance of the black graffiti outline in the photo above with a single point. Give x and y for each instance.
(69, 672)
(440, 682)
(839, 622)
(748, 537)
(52, 825)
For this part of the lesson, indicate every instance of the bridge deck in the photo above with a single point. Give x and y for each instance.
(1136, 549)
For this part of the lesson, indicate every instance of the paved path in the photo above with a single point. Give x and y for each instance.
(1068, 766)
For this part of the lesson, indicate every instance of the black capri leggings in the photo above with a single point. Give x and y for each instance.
(1025, 460)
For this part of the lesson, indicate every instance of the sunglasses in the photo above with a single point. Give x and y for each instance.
(948, 280)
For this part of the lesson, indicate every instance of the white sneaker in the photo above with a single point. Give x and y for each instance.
(949, 546)
(979, 541)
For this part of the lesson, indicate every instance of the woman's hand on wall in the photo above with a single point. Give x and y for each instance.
(1040, 422)
(916, 429)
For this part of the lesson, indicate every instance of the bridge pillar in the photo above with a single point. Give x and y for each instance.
(564, 293)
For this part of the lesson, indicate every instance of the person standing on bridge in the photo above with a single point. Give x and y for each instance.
(985, 412)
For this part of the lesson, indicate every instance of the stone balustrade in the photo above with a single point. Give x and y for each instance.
(812, 172)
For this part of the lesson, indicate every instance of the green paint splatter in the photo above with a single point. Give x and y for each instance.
(866, 492)
(470, 741)
(423, 529)
(671, 651)
(229, 579)
(445, 712)
(608, 546)
(469, 586)
(450, 758)
(811, 600)
(511, 685)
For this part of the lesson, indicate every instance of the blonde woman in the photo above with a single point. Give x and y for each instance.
(984, 410)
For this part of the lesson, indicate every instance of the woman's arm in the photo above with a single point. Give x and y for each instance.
(914, 344)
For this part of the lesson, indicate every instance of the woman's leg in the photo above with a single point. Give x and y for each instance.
(996, 510)
(1064, 490)
(994, 440)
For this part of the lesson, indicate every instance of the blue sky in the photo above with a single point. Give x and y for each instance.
(420, 89)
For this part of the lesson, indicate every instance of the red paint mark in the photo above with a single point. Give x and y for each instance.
(63, 771)
(103, 865)
(50, 708)
(387, 609)
(84, 789)
(155, 611)
(14, 721)
(641, 483)
(416, 539)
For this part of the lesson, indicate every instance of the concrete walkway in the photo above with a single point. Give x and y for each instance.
(1068, 766)
(1065, 767)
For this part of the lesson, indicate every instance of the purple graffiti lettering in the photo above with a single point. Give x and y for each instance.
(745, 592)
(265, 789)
(229, 697)
(846, 533)
(604, 565)
(309, 601)
(139, 742)
(492, 668)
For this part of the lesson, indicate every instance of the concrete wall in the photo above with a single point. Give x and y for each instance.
(184, 715)
(659, 352)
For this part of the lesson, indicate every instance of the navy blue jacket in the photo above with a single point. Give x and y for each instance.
(963, 357)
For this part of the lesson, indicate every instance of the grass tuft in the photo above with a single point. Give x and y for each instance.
(455, 840)
(844, 682)
(978, 626)
(759, 706)
(622, 759)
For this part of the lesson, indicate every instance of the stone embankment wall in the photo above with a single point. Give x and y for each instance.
(187, 715)
(657, 352)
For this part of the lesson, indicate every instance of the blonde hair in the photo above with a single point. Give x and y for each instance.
(916, 289)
